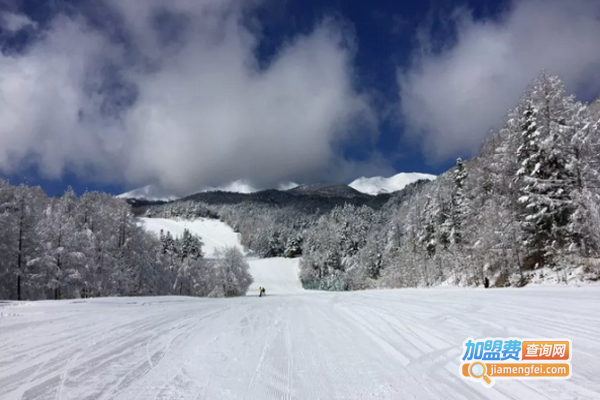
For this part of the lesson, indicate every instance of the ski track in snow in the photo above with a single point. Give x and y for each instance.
(380, 344)
(291, 344)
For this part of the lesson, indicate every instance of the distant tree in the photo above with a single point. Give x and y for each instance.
(293, 247)
(427, 236)
(189, 246)
(459, 206)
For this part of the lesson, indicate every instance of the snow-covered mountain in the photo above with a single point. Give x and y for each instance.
(372, 186)
(156, 193)
(378, 184)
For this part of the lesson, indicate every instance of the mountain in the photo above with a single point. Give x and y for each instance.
(378, 185)
(327, 190)
(367, 186)
(154, 193)
(309, 198)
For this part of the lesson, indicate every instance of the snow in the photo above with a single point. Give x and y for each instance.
(287, 186)
(156, 193)
(291, 344)
(393, 344)
(378, 184)
(373, 186)
(239, 186)
(243, 186)
(276, 275)
(150, 193)
(214, 233)
(579, 276)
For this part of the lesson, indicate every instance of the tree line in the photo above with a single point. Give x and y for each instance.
(91, 246)
(528, 205)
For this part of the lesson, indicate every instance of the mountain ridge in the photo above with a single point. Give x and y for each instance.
(362, 186)
(156, 193)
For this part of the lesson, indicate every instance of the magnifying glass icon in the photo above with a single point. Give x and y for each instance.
(479, 370)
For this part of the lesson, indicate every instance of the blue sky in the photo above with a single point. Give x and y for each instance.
(110, 95)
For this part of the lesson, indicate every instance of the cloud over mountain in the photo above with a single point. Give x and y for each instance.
(174, 93)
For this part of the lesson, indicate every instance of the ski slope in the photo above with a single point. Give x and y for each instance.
(402, 344)
(389, 344)
(214, 233)
(279, 276)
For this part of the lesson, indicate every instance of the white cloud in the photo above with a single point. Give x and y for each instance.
(14, 22)
(451, 99)
(200, 110)
(44, 107)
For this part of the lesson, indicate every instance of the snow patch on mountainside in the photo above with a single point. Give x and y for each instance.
(239, 186)
(287, 186)
(150, 193)
(378, 184)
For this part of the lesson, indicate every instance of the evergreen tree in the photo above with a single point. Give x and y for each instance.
(169, 246)
(458, 203)
(427, 237)
(293, 247)
(544, 171)
(189, 246)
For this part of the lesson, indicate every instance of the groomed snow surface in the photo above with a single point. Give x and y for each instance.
(291, 344)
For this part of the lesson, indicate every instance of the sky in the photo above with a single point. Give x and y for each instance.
(116, 94)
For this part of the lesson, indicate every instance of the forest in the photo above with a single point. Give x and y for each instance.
(526, 208)
(92, 246)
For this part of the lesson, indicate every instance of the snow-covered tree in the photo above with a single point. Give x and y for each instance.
(544, 175)
(293, 247)
(189, 246)
(427, 237)
(232, 273)
(459, 205)
(19, 242)
(71, 247)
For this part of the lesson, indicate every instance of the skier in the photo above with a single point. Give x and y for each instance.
(263, 292)
(260, 291)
